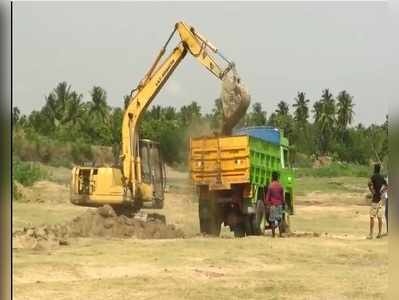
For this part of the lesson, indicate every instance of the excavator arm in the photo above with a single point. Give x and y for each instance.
(148, 88)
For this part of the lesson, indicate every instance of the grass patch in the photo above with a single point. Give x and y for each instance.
(305, 185)
(25, 214)
(335, 170)
(292, 269)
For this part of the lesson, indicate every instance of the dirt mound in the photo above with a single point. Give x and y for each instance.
(322, 161)
(101, 222)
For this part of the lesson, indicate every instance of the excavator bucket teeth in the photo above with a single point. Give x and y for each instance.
(235, 101)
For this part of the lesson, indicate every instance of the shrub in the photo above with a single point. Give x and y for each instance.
(301, 160)
(81, 152)
(27, 173)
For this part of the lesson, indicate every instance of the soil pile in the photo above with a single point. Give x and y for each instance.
(101, 222)
(40, 238)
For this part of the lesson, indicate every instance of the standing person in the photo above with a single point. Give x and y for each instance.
(377, 185)
(275, 200)
(386, 204)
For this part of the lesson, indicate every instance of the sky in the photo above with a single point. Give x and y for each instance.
(279, 49)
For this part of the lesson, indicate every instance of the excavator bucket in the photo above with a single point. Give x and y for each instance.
(235, 101)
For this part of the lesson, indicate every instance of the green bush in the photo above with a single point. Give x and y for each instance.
(301, 160)
(81, 152)
(335, 169)
(60, 161)
(27, 173)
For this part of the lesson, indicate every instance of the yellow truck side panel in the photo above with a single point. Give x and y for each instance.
(219, 161)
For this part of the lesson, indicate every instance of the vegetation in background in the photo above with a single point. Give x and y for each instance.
(335, 169)
(66, 127)
(27, 173)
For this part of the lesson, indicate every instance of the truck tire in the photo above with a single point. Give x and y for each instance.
(203, 216)
(158, 203)
(214, 226)
(209, 217)
(203, 225)
(239, 231)
(250, 224)
(260, 218)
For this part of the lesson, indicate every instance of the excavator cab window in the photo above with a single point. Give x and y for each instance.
(152, 166)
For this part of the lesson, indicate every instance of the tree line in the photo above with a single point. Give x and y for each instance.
(324, 128)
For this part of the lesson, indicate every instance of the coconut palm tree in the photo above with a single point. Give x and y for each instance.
(169, 113)
(324, 111)
(190, 113)
(282, 108)
(344, 110)
(62, 105)
(73, 108)
(327, 119)
(99, 105)
(15, 115)
(258, 115)
(301, 113)
(317, 111)
(282, 119)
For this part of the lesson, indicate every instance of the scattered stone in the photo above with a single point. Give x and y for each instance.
(304, 234)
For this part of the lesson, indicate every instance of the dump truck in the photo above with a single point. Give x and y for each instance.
(231, 175)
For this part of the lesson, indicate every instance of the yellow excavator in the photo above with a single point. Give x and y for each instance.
(139, 180)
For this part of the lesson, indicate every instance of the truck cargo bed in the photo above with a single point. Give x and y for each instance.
(222, 161)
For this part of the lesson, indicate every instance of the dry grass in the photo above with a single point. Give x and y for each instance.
(341, 264)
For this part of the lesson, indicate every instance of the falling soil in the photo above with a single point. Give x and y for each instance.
(235, 101)
(101, 222)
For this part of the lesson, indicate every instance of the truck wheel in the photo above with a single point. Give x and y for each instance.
(260, 218)
(203, 216)
(250, 224)
(209, 217)
(239, 231)
(158, 203)
(203, 225)
(214, 226)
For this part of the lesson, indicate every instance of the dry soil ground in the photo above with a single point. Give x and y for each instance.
(339, 264)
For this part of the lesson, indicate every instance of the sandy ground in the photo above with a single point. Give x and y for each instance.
(339, 264)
